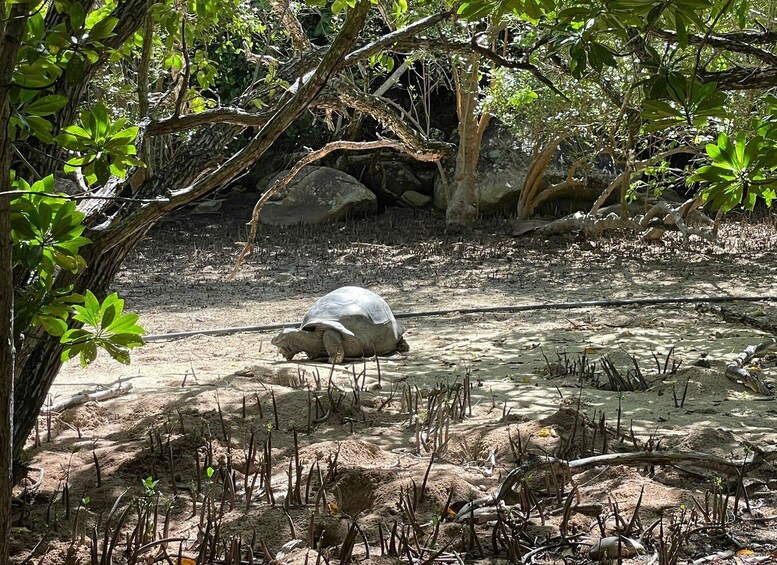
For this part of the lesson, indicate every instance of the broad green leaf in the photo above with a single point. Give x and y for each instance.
(88, 353)
(46, 105)
(54, 326)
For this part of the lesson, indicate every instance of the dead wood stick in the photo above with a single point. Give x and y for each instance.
(736, 371)
(729, 467)
(88, 396)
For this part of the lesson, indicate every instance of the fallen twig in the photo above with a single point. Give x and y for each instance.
(88, 396)
(736, 371)
(718, 464)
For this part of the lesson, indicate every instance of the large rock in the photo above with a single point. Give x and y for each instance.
(496, 191)
(318, 195)
(502, 168)
(415, 199)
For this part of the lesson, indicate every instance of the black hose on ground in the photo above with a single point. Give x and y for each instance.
(486, 309)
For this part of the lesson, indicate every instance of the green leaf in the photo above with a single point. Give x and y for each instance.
(76, 335)
(125, 323)
(77, 16)
(120, 354)
(109, 314)
(103, 29)
(46, 105)
(88, 353)
(102, 120)
(74, 70)
(473, 10)
(682, 31)
(91, 303)
(127, 340)
(54, 326)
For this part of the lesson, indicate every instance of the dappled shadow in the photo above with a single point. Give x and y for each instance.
(197, 401)
(513, 403)
(183, 265)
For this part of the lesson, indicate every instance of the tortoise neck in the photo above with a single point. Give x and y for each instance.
(311, 343)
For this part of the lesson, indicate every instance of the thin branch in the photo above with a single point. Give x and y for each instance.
(394, 37)
(747, 78)
(310, 158)
(299, 41)
(638, 166)
(223, 115)
(720, 42)
(288, 111)
(640, 458)
(186, 69)
(382, 110)
(500, 61)
(447, 46)
(80, 197)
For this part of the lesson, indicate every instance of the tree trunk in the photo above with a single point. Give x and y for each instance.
(462, 212)
(11, 31)
(196, 170)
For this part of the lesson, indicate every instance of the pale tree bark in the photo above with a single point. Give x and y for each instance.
(462, 209)
(300, 42)
(533, 191)
(11, 31)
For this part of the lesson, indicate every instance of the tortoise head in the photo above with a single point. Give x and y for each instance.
(287, 342)
(292, 340)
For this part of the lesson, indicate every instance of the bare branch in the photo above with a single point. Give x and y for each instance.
(311, 158)
(463, 47)
(288, 111)
(623, 177)
(395, 37)
(224, 115)
(720, 42)
(383, 110)
(747, 78)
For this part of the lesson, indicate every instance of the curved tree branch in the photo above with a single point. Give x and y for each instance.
(720, 42)
(223, 115)
(218, 175)
(746, 78)
(299, 41)
(395, 37)
(311, 158)
(342, 94)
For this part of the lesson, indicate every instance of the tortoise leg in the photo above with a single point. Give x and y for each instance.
(333, 343)
(402, 346)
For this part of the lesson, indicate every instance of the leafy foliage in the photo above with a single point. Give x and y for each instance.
(104, 147)
(106, 326)
(46, 231)
(740, 173)
(682, 100)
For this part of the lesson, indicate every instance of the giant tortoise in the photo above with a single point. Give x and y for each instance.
(349, 322)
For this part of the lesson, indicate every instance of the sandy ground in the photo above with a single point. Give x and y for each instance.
(212, 396)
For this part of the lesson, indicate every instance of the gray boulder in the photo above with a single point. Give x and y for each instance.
(318, 195)
(415, 199)
(496, 191)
